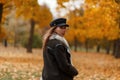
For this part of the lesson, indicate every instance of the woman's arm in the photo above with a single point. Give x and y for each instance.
(64, 65)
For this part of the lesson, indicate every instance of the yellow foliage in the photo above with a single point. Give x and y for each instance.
(101, 18)
(98, 21)
(26, 8)
(3, 1)
(70, 35)
(31, 10)
(60, 2)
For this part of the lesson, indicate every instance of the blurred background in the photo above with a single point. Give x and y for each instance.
(94, 37)
(94, 24)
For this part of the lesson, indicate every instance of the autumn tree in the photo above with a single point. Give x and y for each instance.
(96, 14)
(107, 11)
(98, 22)
(5, 8)
(1, 10)
(76, 30)
(117, 41)
(35, 13)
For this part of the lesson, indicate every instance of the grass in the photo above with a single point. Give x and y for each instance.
(10, 71)
(16, 64)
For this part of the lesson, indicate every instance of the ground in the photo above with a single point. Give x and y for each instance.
(16, 64)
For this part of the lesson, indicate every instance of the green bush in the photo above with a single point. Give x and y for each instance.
(37, 41)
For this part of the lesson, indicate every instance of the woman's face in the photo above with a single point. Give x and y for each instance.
(61, 30)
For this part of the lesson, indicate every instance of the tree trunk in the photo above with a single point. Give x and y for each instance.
(117, 50)
(86, 45)
(75, 44)
(1, 11)
(114, 47)
(108, 47)
(30, 40)
(5, 43)
(98, 48)
(15, 39)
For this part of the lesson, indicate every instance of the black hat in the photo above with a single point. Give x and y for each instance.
(59, 22)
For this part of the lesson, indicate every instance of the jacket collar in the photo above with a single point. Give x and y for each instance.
(58, 37)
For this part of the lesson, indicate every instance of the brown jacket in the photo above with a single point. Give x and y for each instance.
(57, 63)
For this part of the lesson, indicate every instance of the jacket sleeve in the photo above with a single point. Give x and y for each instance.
(63, 64)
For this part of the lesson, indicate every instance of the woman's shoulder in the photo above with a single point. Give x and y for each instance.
(54, 42)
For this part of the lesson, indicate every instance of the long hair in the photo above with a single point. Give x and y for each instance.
(47, 35)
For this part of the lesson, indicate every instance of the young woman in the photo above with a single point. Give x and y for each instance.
(56, 53)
